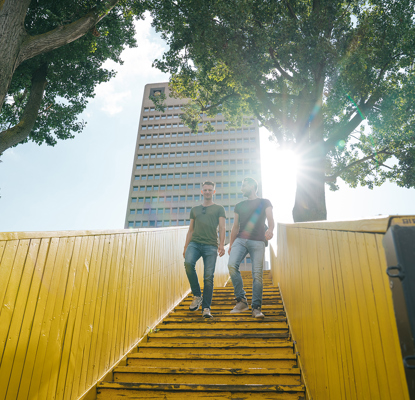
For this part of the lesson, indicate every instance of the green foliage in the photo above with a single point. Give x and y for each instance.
(311, 72)
(74, 70)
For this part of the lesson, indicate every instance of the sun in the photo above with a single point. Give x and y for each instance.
(279, 169)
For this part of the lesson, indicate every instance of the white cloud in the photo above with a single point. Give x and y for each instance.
(112, 96)
(111, 100)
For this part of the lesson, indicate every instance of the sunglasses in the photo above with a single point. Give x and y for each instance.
(203, 210)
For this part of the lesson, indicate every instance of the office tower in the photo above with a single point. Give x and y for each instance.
(170, 164)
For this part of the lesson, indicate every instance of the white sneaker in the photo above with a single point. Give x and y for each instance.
(241, 306)
(256, 313)
(195, 304)
(206, 313)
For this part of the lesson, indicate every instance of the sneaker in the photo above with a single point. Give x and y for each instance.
(241, 306)
(195, 304)
(256, 313)
(206, 313)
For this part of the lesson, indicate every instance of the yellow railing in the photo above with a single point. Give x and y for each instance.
(74, 303)
(332, 276)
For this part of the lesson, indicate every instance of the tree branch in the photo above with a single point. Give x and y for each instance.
(344, 131)
(291, 10)
(35, 45)
(332, 178)
(278, 66)
(21, 131)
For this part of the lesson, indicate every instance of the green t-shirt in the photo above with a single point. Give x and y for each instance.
(205, 227)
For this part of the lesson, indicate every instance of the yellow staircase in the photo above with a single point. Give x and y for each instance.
(231, 356)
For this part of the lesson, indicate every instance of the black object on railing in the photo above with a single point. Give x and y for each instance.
(399, 244)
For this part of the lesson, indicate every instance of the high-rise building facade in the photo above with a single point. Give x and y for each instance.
(170, 164)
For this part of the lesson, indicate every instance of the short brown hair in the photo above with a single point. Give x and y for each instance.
(210, 183)
(252, 182)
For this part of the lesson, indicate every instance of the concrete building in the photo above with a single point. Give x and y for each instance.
(170, 164)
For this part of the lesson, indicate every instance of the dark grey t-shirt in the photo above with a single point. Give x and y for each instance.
(252, 218)
(205, 228)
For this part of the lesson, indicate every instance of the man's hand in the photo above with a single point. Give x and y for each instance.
(221, 251)
(229, 250)
(184, 252)
(269, 234)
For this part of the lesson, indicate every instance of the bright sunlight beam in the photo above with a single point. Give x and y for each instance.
(279, 169)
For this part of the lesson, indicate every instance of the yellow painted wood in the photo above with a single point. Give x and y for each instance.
(30, 301)
(338, 303)
(74, 303)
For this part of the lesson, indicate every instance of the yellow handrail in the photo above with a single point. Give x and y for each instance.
(74, 303)
(332, 277)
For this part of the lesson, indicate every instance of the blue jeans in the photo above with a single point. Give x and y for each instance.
(256, 249)
(209, 254)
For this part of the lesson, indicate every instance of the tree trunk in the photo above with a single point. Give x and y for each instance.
(12, 35)
(310, 200)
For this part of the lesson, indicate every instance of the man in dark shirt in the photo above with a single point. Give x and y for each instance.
(202, 241)
(248, 235)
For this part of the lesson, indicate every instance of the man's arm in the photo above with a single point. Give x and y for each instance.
(189, 236)
(222, 229)
(234, 231)
(270, 218)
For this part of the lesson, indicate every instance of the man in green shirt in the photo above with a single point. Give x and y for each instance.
(202, 241)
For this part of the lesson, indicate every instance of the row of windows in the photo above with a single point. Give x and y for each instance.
(178, 107)
(178, 175)
(177, 116)
(160, 223)
(173, 210)
(186, 164)
(183, 164)
(195, 153)
(251, 140)
(187, 134)
(181, 125)
(197, 185)
(176, 198)
(182, 186)
(203, 174)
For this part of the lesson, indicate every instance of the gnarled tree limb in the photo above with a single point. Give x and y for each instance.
(21, 131)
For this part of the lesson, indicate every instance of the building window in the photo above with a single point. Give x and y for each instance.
(141, 199)
(131, 224)
(132, 211)
(139, 211)
(145, 224)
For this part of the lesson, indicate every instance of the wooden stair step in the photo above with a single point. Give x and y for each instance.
(230, 376)
(211, 323)
(223, 333)
(214, 388)
(222, 344)
(225, 313)
(234, 339)
(219, 318)
(217, 356)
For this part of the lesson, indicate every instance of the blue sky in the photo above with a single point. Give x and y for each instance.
(83, 183)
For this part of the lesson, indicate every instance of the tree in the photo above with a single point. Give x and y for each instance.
(311, 71)
(52, 56)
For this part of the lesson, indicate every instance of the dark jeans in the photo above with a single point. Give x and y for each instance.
(209, 254)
